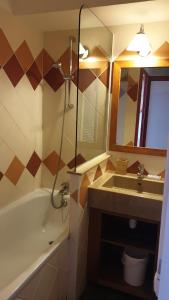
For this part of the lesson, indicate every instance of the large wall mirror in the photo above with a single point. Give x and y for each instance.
(140, 107)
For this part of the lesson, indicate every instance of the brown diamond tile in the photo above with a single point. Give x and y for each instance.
(79, 160)
(86, 77)
(33, 164)
(47, 62)
(65, 61)
(134, 168)
(51, 162)
(5, 50)
(15, 170)
(98, 173)
(13, 70)
(34, 76)
(39, 62)
(24, 56)
(1, 175)
(133, 92)
(104, 77)
(84, 190)
(54, 79)
(131, 82)
(110, 166)
(75, 196)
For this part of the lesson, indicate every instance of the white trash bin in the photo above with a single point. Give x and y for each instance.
(135, 263)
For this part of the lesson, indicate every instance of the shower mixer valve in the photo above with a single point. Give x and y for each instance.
(65, 196)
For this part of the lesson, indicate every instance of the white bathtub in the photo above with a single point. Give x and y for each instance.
(30, 231)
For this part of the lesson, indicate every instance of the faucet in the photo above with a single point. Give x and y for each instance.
(140, 176)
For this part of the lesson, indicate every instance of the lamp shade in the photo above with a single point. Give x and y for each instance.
(140, 43)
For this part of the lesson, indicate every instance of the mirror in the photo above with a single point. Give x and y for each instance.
(140, 106)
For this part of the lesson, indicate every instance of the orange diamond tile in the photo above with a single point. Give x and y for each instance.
(15, 170)
(98, 173)
(163, 50)
(5, 50)
(110, 166)
(51, 162)
(24, 56)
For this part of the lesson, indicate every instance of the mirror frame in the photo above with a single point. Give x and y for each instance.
(116, 76)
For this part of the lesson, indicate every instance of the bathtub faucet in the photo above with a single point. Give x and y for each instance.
(140, 174)
(64, 193)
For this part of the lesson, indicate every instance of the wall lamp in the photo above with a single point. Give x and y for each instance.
(140, 43)
(83, 51)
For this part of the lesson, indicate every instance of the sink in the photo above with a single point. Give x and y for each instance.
(127, 195)
(126, 182)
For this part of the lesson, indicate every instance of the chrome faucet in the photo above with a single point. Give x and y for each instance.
(140, 176)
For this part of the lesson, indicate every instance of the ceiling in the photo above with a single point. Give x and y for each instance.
(37, 6)
(119, 14)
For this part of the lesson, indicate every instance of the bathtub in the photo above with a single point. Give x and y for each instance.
(30, 231)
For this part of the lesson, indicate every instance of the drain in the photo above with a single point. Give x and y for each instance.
(50, 242)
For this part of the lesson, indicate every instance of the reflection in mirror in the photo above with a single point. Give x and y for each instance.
(142, 119)
(93, 88)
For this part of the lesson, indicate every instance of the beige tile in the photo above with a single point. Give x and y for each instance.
(97, 90)
(68, 149)
(47, 177)
(8, 192)
(26, 183)
(6, 156)
(13, 136)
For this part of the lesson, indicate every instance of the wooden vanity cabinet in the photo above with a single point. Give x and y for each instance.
(108, 237)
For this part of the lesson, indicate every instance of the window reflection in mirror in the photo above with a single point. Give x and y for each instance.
(143, 111)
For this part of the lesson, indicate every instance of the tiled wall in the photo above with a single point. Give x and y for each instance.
(20, 109)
